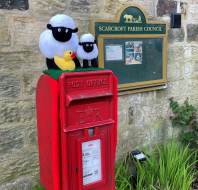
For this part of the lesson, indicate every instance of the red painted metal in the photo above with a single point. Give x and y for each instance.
(47, 106)
(80, 115)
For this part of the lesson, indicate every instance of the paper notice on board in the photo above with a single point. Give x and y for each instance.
(114, 52)
(91, 159)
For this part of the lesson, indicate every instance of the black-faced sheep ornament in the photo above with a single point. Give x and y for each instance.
(88, 51)
(59, 37)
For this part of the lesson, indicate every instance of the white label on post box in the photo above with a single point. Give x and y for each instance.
(91, 159)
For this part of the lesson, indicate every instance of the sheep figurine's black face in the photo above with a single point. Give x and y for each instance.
(87, 46)
(61, 34)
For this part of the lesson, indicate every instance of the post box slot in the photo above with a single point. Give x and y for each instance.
(70, 98)
(99, 124)
(88, 113)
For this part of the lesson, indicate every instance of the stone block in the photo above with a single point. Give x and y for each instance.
(11, 61)
(11, 138)
(24, 162)
(31, 135)
(138, 138)
(166, 7)
(176, 62)
(22, 183)
(26, 60)
(27, 110)
(4, 34)
(176, 35)
(29, 80)
(44, 9)
(192, 32)
(26, 34)
(14, 4)
(82, 8)
(16, 112)
(9, 86)
(33, 60)
(192, 12)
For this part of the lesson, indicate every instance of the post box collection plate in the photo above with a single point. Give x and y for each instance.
(91, 159)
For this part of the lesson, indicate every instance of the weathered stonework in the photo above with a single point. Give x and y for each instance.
(166, 7)
(4, 34)
(176, 35)
(9, 86)
(14, 4)
(192, 12)
(16, 112)
(143, 118)
(192, 32)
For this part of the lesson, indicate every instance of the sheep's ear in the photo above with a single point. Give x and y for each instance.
(49, 26)
(95, 41)
(75, 30)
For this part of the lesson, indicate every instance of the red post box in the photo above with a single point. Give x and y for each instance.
(77, 130)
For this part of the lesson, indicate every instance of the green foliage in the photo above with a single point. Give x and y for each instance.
(169, 167)
(38, 187)
(185, 117)
(122, 175)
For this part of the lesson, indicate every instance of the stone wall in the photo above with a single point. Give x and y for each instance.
(143, 118)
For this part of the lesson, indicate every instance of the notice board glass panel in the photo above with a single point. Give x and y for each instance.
(134, 59)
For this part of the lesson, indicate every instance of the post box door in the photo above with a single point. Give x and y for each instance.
(88, 102)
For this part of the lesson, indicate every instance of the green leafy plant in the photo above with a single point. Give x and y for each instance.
(38, 187)
(170, 166)
(122, 175)
(185, 117)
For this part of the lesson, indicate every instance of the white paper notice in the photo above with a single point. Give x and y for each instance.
(114, 52)
(91, 158)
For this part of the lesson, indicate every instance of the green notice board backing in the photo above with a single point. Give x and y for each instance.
(134, 49)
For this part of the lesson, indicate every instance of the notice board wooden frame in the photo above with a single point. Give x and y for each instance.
(136, 29)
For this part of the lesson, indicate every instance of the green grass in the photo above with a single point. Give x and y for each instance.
(38, 187)
(170, 167)
(122, 175)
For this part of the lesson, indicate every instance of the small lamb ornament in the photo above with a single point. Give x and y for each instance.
(88, 51)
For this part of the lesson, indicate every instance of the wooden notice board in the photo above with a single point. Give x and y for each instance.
(134, 48)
